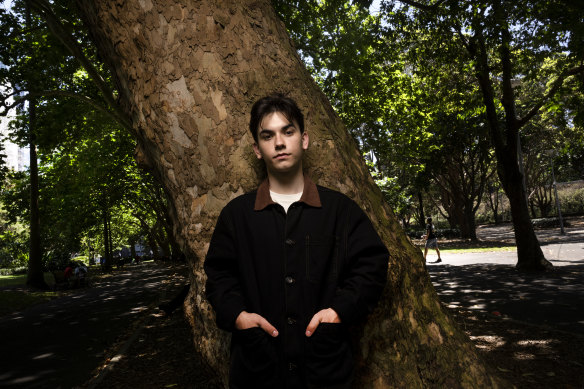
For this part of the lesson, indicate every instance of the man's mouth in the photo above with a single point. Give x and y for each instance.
(282, 155)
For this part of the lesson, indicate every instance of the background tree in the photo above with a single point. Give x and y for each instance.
(87, 164)
(505, 42)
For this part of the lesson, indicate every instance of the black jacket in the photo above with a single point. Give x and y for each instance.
(324, 253)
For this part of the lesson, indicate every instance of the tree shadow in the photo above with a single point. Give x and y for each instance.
(554, 298)
(528, 327)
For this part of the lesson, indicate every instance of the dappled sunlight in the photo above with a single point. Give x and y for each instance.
(554, 297)
(523, 356)
(537, 343)
(43, 356)
(518, 349)
(135, 310)
(84, 323)
(524, 325)
(488, 341)
(476, 291)
(11, 379)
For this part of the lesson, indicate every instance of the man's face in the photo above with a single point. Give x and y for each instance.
(280, 144)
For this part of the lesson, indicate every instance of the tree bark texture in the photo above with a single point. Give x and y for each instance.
(35, 274)
(187, 74)
(529, 254)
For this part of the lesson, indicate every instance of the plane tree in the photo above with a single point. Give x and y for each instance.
(185, 76)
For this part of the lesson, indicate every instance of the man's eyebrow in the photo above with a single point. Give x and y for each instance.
(281, 129)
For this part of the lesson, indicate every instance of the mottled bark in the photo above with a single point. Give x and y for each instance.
(187, 75)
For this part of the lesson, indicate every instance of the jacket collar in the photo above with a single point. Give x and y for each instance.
(309, 196)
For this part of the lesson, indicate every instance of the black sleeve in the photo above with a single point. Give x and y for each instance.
(223, 288)
(365, 274)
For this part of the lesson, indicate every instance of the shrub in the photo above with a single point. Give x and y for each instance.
(572, 201)
(548, 222)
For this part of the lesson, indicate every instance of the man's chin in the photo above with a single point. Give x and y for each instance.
(284, 169)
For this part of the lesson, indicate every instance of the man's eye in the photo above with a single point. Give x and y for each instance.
(290, 132)
(266, 136)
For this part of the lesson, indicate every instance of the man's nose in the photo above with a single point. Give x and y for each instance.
(280, 141)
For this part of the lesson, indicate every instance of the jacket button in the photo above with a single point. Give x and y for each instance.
(291, 321)
(289, 280)
(290, 242)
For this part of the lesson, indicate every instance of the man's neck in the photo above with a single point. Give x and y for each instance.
(287, 183)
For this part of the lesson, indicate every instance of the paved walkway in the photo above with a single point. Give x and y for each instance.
(488, 283)
(58, 344)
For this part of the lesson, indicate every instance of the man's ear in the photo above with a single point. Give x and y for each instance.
(256, 150)
(305, 140)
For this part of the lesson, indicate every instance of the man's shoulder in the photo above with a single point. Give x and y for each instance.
(332, 197)
(242, 201)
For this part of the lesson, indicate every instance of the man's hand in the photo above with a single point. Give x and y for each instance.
(247, 320)
(325, 316)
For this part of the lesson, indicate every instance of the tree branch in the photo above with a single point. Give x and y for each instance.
(56, 93)
(65, 38)
(508, 99)
(424, 7)
(554, 88)
(4, 106)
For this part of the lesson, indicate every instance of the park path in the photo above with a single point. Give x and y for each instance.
(487, 282)
(58, 344)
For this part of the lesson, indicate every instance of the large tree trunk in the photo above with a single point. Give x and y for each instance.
(106, 251)
(422, 217)
(35, 274)
(529, 254)
(505, 139)
(187, 75)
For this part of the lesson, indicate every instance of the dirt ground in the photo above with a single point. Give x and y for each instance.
(526, 355)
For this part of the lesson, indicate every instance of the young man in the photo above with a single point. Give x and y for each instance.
(431, 240)
(291, 266)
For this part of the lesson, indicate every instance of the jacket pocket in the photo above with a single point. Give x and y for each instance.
(253, 360)
(329, 361)
(322, 254)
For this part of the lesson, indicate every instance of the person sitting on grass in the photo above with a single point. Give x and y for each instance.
(80, 274)
(431, 240)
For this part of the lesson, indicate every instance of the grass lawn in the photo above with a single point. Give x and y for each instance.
(474, 249)
(19, 298)
(16, 296)
(20, 280)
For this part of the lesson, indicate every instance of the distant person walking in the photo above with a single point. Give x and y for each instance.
(431, 240)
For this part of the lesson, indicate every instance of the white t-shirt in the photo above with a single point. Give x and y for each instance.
(285, 200)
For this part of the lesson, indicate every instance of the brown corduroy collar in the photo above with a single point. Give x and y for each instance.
(309, 195)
